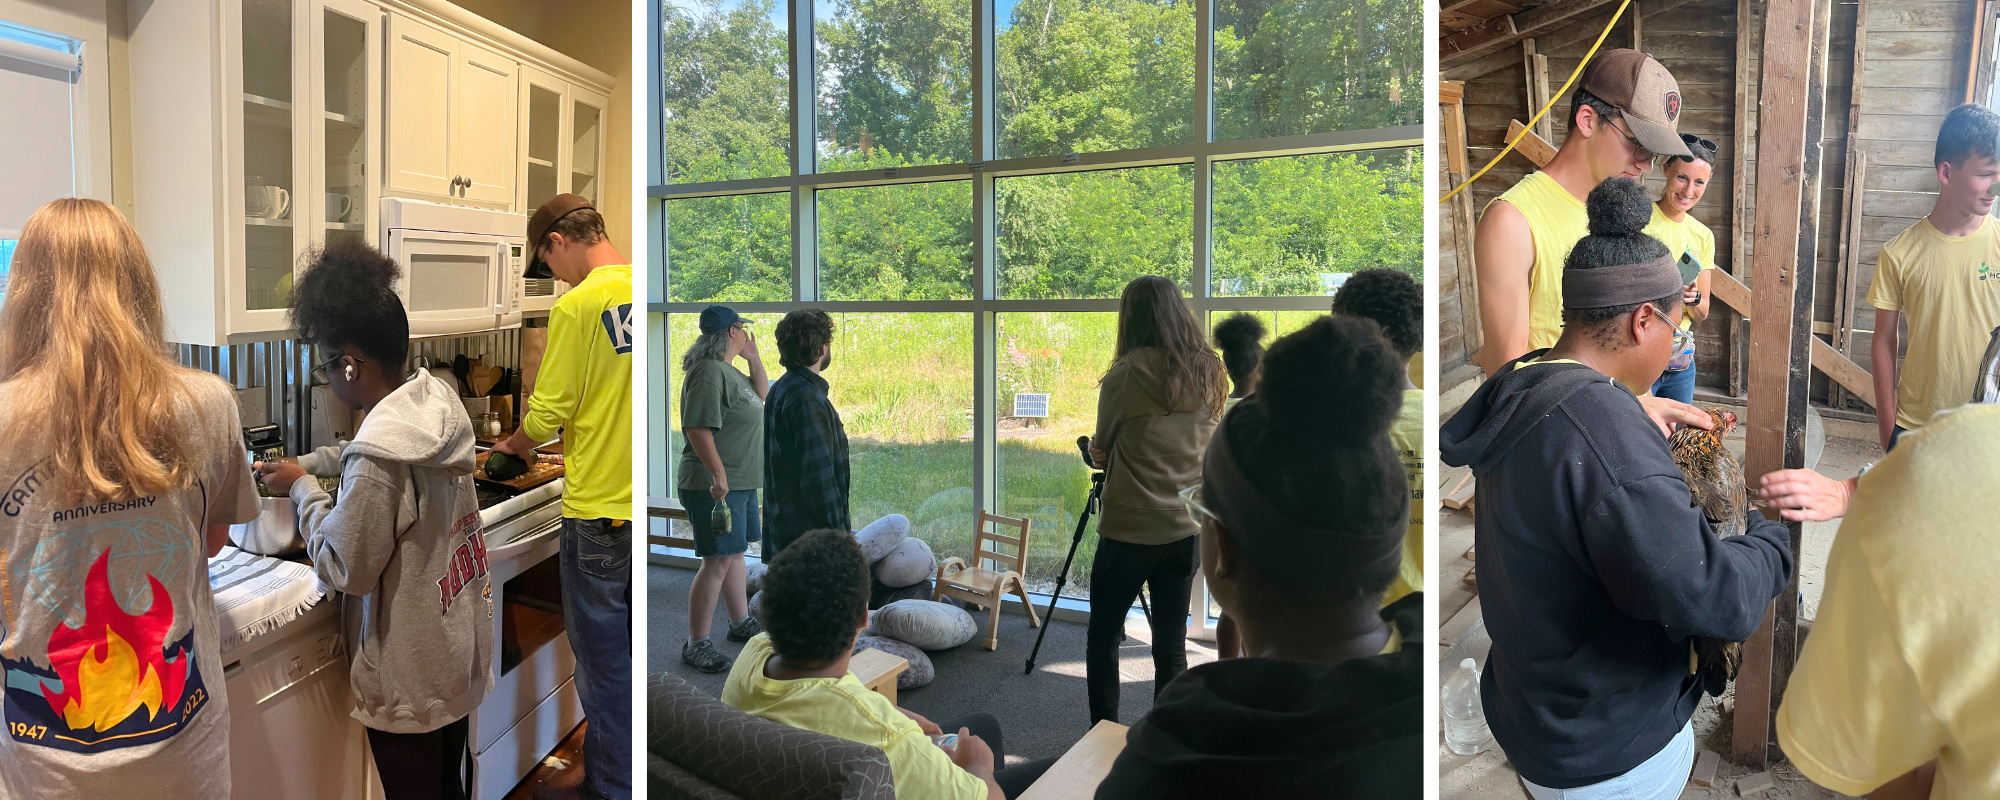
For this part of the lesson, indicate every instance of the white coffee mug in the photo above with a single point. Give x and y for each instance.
(337, 206)
(268, 202)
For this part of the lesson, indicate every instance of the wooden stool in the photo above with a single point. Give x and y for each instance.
(987, 587)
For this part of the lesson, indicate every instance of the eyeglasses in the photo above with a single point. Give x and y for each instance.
(1191, 496)
(1639, 151)
(1681, 338)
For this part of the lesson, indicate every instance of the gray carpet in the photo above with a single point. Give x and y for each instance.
(1041, 715)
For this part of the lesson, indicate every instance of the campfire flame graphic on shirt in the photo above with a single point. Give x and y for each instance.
(116, 682)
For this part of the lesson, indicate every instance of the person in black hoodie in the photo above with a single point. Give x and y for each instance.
(1595, 567)
(1302, 505)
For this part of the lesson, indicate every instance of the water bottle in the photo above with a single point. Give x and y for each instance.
(718, 519)
(1464, 720)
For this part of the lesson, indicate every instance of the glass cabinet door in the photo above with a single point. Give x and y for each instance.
(267, 153)
(586, 135)
(544, 108)
(347, 108)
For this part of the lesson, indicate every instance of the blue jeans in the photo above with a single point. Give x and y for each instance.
(1895, 435)
(596, 570)
(1676, 385)
(1661, 777)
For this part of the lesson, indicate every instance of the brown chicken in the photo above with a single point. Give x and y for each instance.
(1716, 482)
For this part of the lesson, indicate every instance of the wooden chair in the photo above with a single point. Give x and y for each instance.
(987, 587)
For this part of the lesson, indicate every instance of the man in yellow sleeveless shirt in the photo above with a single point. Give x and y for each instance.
(1623, 115)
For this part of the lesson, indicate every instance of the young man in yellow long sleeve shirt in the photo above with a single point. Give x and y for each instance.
(584, 392)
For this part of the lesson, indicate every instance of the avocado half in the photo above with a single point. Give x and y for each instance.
(503, 467)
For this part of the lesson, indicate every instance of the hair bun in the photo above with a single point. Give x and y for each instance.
(1241, 330)
(1618, 207)
(1335, 380)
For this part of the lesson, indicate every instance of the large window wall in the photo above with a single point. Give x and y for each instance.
(967, 186)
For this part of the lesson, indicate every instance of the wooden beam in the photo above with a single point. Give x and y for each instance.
(1528, 80)
(1451, 91)
(1502, 31)
(1544, 127)
(1536, 148)
(1546, 42)
(1452, 124)
(1790, 121)
(1638, 23)
(1739, 332)
(1825, 358)
(1979, 12)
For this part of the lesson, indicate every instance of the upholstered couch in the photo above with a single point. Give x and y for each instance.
(698, 748)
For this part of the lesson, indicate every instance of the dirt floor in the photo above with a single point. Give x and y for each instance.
(1849, 445)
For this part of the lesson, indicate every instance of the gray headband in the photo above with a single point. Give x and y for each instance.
(1296, 555)
(1624, 285)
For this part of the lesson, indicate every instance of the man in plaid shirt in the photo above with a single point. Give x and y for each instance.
(805, 446)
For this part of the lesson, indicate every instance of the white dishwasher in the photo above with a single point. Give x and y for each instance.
(290, 734)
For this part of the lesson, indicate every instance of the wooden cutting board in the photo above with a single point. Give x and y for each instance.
(539, 473)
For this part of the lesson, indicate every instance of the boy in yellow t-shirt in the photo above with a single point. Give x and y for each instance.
(1942, 277)
(795, 673)
(1901, 671)
(1393, 300)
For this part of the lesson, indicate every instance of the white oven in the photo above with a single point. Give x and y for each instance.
(461, 266)
(534, 701)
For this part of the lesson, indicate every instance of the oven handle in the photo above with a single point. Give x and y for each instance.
(524, 542)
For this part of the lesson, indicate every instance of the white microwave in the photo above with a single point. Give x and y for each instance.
(462, 267)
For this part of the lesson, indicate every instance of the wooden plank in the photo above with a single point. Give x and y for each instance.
(1453, 125)
(1452, 92)
(1842, 370)
(1738, 196)
(1914, 45)
(1950, 49)
(1494, 35)
(1944, 16)
(1638, 22)
(1546, 126)
(1533, 102)
(1787, 195)
(1578, 34)
(1535, 148)
(1076, 775)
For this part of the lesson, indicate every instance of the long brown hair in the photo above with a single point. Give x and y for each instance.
(83, 357)
(1151, 313)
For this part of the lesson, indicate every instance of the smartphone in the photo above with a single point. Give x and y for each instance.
(1690, 268)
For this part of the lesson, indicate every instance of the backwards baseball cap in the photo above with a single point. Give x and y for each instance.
(555, 209)
(1644, 93)
(719, 318)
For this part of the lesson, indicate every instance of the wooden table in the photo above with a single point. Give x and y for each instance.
(878, 670)
(1079, 771)
(667, 508)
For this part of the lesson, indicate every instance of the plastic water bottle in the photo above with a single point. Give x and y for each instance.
(1465, 729)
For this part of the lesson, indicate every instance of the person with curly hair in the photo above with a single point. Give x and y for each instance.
(795, 673)
(1395, 302)
(1595, 567)
(1302, 508)
(1156, 407)
(805, 444)
(404, 546)
(1240, 339)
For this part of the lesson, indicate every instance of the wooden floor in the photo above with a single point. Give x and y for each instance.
(549, 783)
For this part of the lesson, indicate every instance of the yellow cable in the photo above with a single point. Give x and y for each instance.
(1546, 106)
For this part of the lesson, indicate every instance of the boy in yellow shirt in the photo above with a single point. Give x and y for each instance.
(795, 672)
(584, 392)
(1942, 276)
(1394, 300)
(1899, 684)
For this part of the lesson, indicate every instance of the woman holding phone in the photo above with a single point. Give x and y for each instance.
(1156, 408)
(1687, 179)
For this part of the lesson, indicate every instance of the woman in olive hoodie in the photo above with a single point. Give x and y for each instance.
(404, 546)
(1156, 407)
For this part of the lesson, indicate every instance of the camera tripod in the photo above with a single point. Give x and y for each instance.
(1090, 506)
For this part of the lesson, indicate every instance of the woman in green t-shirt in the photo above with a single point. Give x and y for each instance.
(721, 469)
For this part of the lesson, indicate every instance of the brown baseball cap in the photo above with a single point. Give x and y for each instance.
(1644, 92)
(556, 208)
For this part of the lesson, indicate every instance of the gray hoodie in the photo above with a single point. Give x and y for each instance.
(406, 549)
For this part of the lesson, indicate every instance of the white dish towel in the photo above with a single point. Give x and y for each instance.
(255, 594)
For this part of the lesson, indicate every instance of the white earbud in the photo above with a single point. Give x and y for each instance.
(350, 372)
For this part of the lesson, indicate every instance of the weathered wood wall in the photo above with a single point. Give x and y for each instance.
(1698, 41)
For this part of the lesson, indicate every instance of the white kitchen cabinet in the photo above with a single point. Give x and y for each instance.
(254, 140)
(587, 128)
(452, 118)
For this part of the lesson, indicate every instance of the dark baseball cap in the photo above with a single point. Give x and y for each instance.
(1644, 93)
(556, 208)
(719, 318)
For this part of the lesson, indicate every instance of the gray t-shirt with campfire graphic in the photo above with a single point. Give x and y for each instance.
(108, 634)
